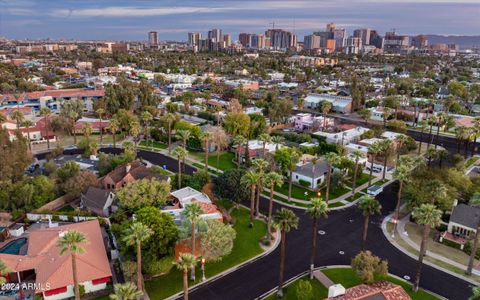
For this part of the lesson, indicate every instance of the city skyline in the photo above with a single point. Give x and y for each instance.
(132, 21)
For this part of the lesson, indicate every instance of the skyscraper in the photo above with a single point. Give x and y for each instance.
(258, 41)
(215, 35)
(363, 34)
(376, 40)
(420, 41)
(153, 38)
(331, 27)
(339, 35)
(245, 39)
(194, 38)
(281, 39)
(311, 42)
(227, 39)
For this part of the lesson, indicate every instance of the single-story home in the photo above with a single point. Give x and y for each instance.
(313, 174)
(97, 200)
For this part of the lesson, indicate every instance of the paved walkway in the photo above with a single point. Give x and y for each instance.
(323, 278)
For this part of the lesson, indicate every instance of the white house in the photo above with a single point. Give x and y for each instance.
(314, 175)
(341, 104)
(306, 121)
(343, 137)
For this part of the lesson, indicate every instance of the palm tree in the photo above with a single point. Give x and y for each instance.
(169, 118)
(374, 149)
(356, 155)
(386, 147)
(114, 126)
(292, 165)
(460, 134)
(72, 242)
(400, 141)
(272, 179)
(238, 141)
(369, 206)
(475, 293)
(87, 131)
(184, 135)
(476, 131)
(325, 107)
(125, 291)
(134, 130)
(314, 160)
(28, 124)
(46, 112)
(387, 112)
(206, 136)
(220, 139)
(475, 201)
(259, 165)
(250, 179)
(4, 269)
(146, 118)
(431, 121)
(317, 209)
(134, 236)
(423, 126)
(18, 117)
(277, 140)
(441, 119)
(180, 153)
(185, 262)
(428, 216)
(73, 116)
(264, 138)
(332, 159)
(193, 212)
(438, 190)
(100, 112)
(284, 220)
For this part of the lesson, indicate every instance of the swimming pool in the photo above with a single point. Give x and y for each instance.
(14, 246)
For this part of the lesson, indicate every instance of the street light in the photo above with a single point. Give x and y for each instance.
(203, 269)
(319, 194)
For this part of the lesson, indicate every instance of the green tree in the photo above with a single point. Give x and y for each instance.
(365, 114)
(357, 155)
(193, 212)
(474, 201)
(206, 137)
(218, 240)
(72, 242)
(185, 262)
(180, 153)
(369, 267)
(144, 192)
(169, 119)
(259, 165)
(317, 209)
(125, 291)
(18, 116)
(146, 118)
(386, 148)
(325, 108)
(238, 141)
(114, 126)
(250, 179)
(46, 113)
(428, 216)
(332, 159)
(272, 179)
(373, 150)
(28, 124)
(287, 158)
(284, 220)
(220, 140)
(304, 290)
(135, 235)
(100, 113)
(264, 138)
(369, 206)
(237, 123)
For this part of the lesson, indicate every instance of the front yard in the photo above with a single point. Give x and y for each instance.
(225, 161)
(246, 246)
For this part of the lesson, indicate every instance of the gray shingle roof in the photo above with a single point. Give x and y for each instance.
(466, 215)
(321, 167)
(95, 197)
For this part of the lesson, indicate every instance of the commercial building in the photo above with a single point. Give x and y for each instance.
(194, 40)
(420, 41)
(363, 34)
(245, 39)
(311, 42)
(395, 43)
(153, 38)
(281, 39)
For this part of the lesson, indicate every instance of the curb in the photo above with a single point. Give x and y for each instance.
(232, 269)
(289, 281)
(403, 250)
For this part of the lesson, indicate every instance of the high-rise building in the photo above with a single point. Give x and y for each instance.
(330, 45)
(215, 35)
(194, 38)
(258, 41)
(363, 34)
(281, 39)
(227, 39)
(354, 44)
(153, 38)
(331, 27)
(339, 35)
(420, 41)
(395, 43)
(311, 42)
(376, 40)
(245, 39)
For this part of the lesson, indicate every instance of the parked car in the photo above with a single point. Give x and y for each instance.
(374, 190)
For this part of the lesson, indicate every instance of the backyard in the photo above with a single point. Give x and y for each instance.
(246, 246)
(348, 278)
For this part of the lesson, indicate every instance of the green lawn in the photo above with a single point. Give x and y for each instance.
(156, 144)
(471, 161)
(361, 180)
(247, 245)
(298, 192)
(66, 208)
(225, 161)
(347, 278)
(355, 197)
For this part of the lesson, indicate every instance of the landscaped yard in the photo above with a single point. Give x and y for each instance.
(225, 161)
(155, 144)
(361, 180)
(471, 161)
(247, 245)
(355, 197)
(298, 192)
(348, 278)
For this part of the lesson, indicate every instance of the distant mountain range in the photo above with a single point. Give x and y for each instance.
(464, 41)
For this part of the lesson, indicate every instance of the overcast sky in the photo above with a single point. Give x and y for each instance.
(131, 20)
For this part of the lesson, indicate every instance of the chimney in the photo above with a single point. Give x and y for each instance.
(128, 167)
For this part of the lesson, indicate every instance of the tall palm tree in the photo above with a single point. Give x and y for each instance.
(292, 165)
(134, 236)
(87, 131)
(284, 220)
(386, 147)
(475, 201)
(317, 209)
(332, 159)
(100, 112)
(374, 149)
(72, 115)
(272, 179)
(325, 107)
(476, 131)
(206, 136)
(72, 242)
(314, 160)
(180, 153)
(184, 135)
(277, 140)
(369, 206)
(4, 270)
(193, 212)
(18, 117)
(264, 138)
(356, 155)
(250, 179)
(259, 165)
(169, 118)
(423, 126)
(46, 112)
(400, 141)
(431, 122)
(28, 124)
(125, 291)
(185, 262)
(438, 190)
(428, 216)
(220, 139)
(134, 130)
(146, 118)
(114, 126)
(460, 134)
(441, 119)
(238, 141)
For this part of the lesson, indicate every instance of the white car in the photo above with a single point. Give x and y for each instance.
(374, 190)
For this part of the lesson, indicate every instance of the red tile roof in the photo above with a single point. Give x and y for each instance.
(386, 289)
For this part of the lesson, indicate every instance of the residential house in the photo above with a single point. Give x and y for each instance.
(343, 137)
(340, 104)
(255, 148)
(306, 172)
(381, 290)
(127, 173)
(464, 221)
(96, 124)
(309, 122)
(97, 200)
(51, 271)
